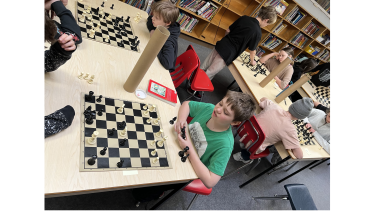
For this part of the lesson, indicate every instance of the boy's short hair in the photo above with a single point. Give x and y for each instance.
(242, 105)
(168, 11)
(50, 29)
(269, 13)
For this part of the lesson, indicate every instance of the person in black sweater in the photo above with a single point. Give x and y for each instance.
(165, 14)
(63, 36)
(302, 67)
(321, 75)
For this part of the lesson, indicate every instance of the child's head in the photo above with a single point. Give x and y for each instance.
(234, 108)
(267, 15)
(301, 108)
(285, 52)
(328, 116)
(307, 65)
(50, 29)
(164, 13)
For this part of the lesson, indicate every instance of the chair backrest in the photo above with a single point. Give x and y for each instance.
(299, 197)
(200, 81)
(254, 133)
(186, 63)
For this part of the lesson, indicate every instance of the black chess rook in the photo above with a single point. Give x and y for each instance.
(89, 97)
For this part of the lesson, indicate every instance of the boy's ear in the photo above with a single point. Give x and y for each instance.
(235, 123)
(169, 23)
(266, 20)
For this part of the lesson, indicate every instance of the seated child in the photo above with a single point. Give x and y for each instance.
(63, 36)
(165, 14)
(244, 33)
(319, 121)
(300, 68)
(283, 78)
(211, 133)
(277, 126)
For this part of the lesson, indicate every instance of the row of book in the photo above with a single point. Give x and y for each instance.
(148, 8)
(271, 42)
(280, 27)
(259, 52)
(325, 4)
(312, 50)
(289, 46)
(324, 39)
(204, 9)
(324, 55)
(311, 29)
(280, 5)
(140, 4)
(295, 16)
(299, 40)
(186, 22)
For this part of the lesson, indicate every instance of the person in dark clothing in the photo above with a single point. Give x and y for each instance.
(165, 14)
(63, 36)
(58, 121)
(322, 76)
(244, 33)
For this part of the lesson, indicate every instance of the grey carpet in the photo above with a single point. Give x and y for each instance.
(226, 195)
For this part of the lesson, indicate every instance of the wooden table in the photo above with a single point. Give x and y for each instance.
(111, 67)
(250, 85)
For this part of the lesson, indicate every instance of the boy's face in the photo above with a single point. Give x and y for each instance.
(157, 20)
(223, 114)
(328, 118)
(264, 23)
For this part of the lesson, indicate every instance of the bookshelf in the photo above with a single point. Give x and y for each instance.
(211, 31)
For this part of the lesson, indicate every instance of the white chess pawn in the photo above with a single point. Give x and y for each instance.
(81, 75)
(149, 120)
(146, 112)
(152, 143)
(97, 29)
(105, 37)
(160, 143)
(153, 108)
(92, 140)
(92, 33)
(156, 121)
(153, 153)
(144, 107)
(123, 132)
(158, 134)
(121, 109)
(90, 81)
(155, 160)
(83, 17)
(109, 17)
(87, 75)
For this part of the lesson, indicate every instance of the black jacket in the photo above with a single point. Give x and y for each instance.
(57, 56)
(168, 53)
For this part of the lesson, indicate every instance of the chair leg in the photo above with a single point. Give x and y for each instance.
(258, 161)
(276, 197)
(324, 160)
(231, 84)
(195, 197)
(278, 168)
(328, 164)
(230, 173)
(295, 162)
(189, 97)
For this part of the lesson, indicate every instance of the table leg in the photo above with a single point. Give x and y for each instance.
(265, 171)
(324, 160)
(296, 172)
(164, 199)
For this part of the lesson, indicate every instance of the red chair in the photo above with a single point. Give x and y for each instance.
(256, 135)
(187, 67)
(197, 185)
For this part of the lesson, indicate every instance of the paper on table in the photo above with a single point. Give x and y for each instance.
(124, 173)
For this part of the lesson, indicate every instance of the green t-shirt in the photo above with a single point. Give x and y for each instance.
(219, 144)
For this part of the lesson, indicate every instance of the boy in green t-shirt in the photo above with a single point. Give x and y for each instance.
(211, 133)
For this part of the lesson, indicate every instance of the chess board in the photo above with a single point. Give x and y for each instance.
(121, 40)
(323, 95)
(245, 57)
(305, 136)
(136, 153)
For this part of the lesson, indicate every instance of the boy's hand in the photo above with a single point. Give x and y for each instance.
(67, 42)
(253, 63)
(316, 103)
(311, 128)
(179, 124)
(184, 142)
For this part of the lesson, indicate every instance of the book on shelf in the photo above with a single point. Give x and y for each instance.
(162, 92)
(323, 39)
(259, 52)
(280, 27)
(187, 22)
(281, 7)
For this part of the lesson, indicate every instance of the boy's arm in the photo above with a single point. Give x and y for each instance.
(183, 114)
(208, 178)
(286, 79)
(252, 57)
(166, 55)
(298, 153)
(266, 57)
(227, 32)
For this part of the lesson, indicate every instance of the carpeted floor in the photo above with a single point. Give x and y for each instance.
(226, 195)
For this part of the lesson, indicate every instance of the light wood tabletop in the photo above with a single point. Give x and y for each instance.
(111, 67)
(250, 84)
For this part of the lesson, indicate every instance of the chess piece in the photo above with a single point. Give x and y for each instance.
(109, 17)
(99, 99)
(127, 20)
(112, 6)
(110, 132)
(101, 12)
(89, 120)
(158, 134)
(122, 124)
(174, 118)
(156, 121)
(153, 108)
(90, 81)
(152, 143)
(145, 107)
(100, 113)
(80, 75)
(121, 109)
(171, 122)
(89, 17)
(97, 29)
(106, 37)
(92, 140)
(119, 164)
(86, 76)
(153, 153)
(183, 159)
(182, 153)
(102, 4)
(146, 112)
(92, 33)
(103, 151)
(91, 161)
(161, 143)
(83, 17)
(155, 160)
(149, 120)
(123, 132)
(122, 142)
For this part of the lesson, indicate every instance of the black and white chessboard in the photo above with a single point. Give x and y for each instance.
(122, 39)
(305, 136)
(245, 57)
(136, 153)
(323, 95)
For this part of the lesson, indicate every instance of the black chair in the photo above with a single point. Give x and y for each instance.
(298, 196)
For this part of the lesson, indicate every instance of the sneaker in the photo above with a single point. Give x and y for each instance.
(238, 157)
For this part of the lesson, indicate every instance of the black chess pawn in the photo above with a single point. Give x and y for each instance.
(123, 33)
(122, 18)
(174, 118)
(100, 113)
(103, 151)
(102, 4)
(182, 153)
(136, 44)
(122, 124)
(99, 99)
(183, 159)
(111, 132)
(91, 161)
(89, 120)
(112, 6)
(119, 164)
(89, 97)
(171, 122)
(122, 142)
(127, 20)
